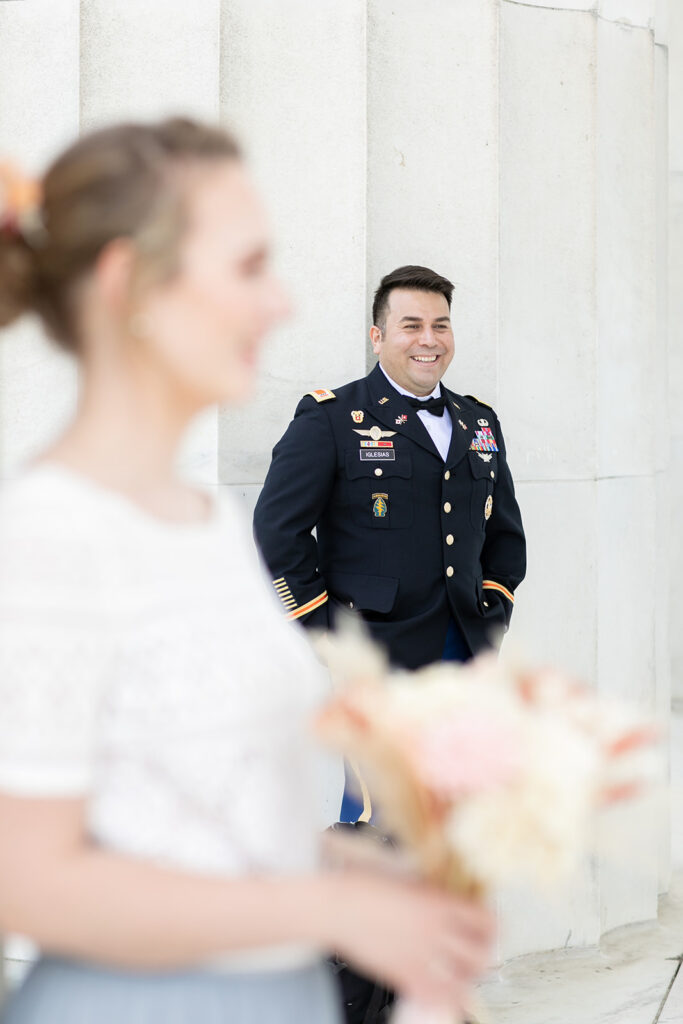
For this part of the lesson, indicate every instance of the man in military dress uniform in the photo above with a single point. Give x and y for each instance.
(408, 488)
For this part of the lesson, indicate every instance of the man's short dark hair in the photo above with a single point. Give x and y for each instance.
(419, 279)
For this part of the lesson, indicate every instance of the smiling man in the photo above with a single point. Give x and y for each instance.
(407, 486)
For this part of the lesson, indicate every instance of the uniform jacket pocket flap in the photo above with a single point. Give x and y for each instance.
(367, 593)
(356, 468)
(482, 467)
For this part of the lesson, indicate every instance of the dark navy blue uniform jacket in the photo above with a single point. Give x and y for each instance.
(407, 539)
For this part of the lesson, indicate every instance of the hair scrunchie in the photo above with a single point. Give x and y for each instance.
(20, 204)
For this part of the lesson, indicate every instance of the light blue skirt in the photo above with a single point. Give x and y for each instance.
(60, 991)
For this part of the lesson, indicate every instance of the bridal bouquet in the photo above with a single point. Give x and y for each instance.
(484, 773)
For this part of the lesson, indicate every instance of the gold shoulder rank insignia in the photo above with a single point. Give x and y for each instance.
(322, 394)
(479, 401)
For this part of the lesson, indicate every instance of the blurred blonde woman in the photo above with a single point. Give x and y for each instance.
(155, 837)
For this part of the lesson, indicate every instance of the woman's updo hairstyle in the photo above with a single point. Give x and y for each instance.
(118, 182)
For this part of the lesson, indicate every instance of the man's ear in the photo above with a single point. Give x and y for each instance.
(375, 338)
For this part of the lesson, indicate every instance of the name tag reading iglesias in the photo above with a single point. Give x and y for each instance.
(377, 455)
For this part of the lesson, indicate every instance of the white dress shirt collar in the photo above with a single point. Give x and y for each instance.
(439, 428)
(436, 393)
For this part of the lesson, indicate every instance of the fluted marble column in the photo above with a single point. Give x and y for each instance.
(150, 59)
(433, 162)
(293, 85)
(547, 373)
(580, 167)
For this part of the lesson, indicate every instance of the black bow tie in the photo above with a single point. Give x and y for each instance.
(433, 405)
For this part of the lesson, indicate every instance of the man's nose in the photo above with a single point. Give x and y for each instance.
(427, 337)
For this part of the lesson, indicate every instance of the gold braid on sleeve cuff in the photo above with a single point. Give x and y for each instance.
(293, 610)
(311, 606)
(492, 585)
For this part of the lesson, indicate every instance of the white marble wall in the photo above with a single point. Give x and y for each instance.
(433, 165)
(675, 346)
(521, 149)
(293, 84)
(39, 86)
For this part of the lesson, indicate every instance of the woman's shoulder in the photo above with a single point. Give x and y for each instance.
(38, 484)
(48, 528)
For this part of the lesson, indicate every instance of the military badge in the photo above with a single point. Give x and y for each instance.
(483, 423)
(376, 433)
(357, 415)
(400, 420)
(488, 508)
(484, 458)
(379, 508)
(383, 401)
(463, 425)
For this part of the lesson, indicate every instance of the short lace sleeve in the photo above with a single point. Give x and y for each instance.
(54, 644)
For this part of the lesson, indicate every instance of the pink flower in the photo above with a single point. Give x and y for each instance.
(466, 753)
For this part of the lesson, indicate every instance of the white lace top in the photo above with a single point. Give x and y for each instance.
(148, 666)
